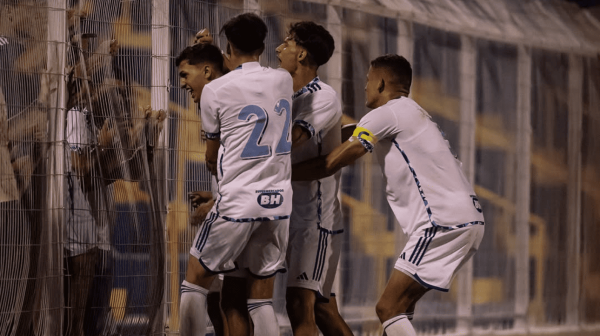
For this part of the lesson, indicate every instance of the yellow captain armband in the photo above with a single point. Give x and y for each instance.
(366, 138)
(364, 134)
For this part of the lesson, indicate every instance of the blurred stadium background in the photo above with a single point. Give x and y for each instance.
(515, 85)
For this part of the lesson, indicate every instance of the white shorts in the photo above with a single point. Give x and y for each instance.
(433, 255)
(82, 230)
(224, 246)
(313, 256)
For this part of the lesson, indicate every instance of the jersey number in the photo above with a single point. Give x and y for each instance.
(254, 149)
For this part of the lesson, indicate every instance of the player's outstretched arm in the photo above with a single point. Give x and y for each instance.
(324, 166)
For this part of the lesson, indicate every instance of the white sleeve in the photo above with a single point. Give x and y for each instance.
(209, 112)
(77, 132)
(319, 111)
(378, 124)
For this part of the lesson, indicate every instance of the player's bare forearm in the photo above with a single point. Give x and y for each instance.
(212, 154)
(325, 166)
(299, 136)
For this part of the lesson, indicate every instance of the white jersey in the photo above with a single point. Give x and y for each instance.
(249, 109)
(425, 183)
(82, 231)
(317, 108)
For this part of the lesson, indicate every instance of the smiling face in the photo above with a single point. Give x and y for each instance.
(193, 77)
(288, 54)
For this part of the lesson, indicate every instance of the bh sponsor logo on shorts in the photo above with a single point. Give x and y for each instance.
(269, 199)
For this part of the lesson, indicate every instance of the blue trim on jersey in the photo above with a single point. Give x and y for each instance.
(311, 87)
(319, 210)
(331, 232)
(306, 126)
(368, 146)
(425, 202)
(212, 136)
(254, 219)
(426, 285)
(221, 162)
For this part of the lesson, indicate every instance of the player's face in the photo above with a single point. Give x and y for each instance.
(193, 78)
(372, 88)
(287, 53)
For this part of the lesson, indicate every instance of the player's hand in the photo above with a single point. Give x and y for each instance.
(155, 123)
(200, 212)
(203, 36)
(152, 124)
(114, 47)
(199, 197)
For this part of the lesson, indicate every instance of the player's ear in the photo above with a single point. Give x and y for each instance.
(381, 85)
(208, 71)
(302, 55)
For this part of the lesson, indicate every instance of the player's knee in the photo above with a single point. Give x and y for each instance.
(386, 309)
(326, 312)
(299, 304)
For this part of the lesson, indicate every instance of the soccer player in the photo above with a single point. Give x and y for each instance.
(316, 222)
(431, 198)
(246, 115)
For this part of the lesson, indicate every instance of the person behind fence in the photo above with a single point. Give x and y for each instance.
(245, 234)
(316, 222)
(432, 200)
(22, 129)
(95, 157)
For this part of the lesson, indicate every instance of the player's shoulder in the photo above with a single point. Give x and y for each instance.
(279, 78)
(403, 106)
(316, 89)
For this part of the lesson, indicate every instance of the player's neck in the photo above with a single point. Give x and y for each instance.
(387, 96)
(303, 76)
(238, 60)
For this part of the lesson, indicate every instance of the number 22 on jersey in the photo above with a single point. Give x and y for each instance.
(253, 148)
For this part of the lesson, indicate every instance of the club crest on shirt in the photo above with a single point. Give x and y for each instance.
(269, 199)
(476, 203)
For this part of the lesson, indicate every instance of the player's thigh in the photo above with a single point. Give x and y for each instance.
(433, 255)
(264, 253)
(197, 274)
(313, 255)
(260, 288)
(219, 242)
(400, 293)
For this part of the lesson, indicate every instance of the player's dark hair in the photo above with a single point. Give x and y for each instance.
(200, 53)
(398, 66)
(246, 32)
(315, 39)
